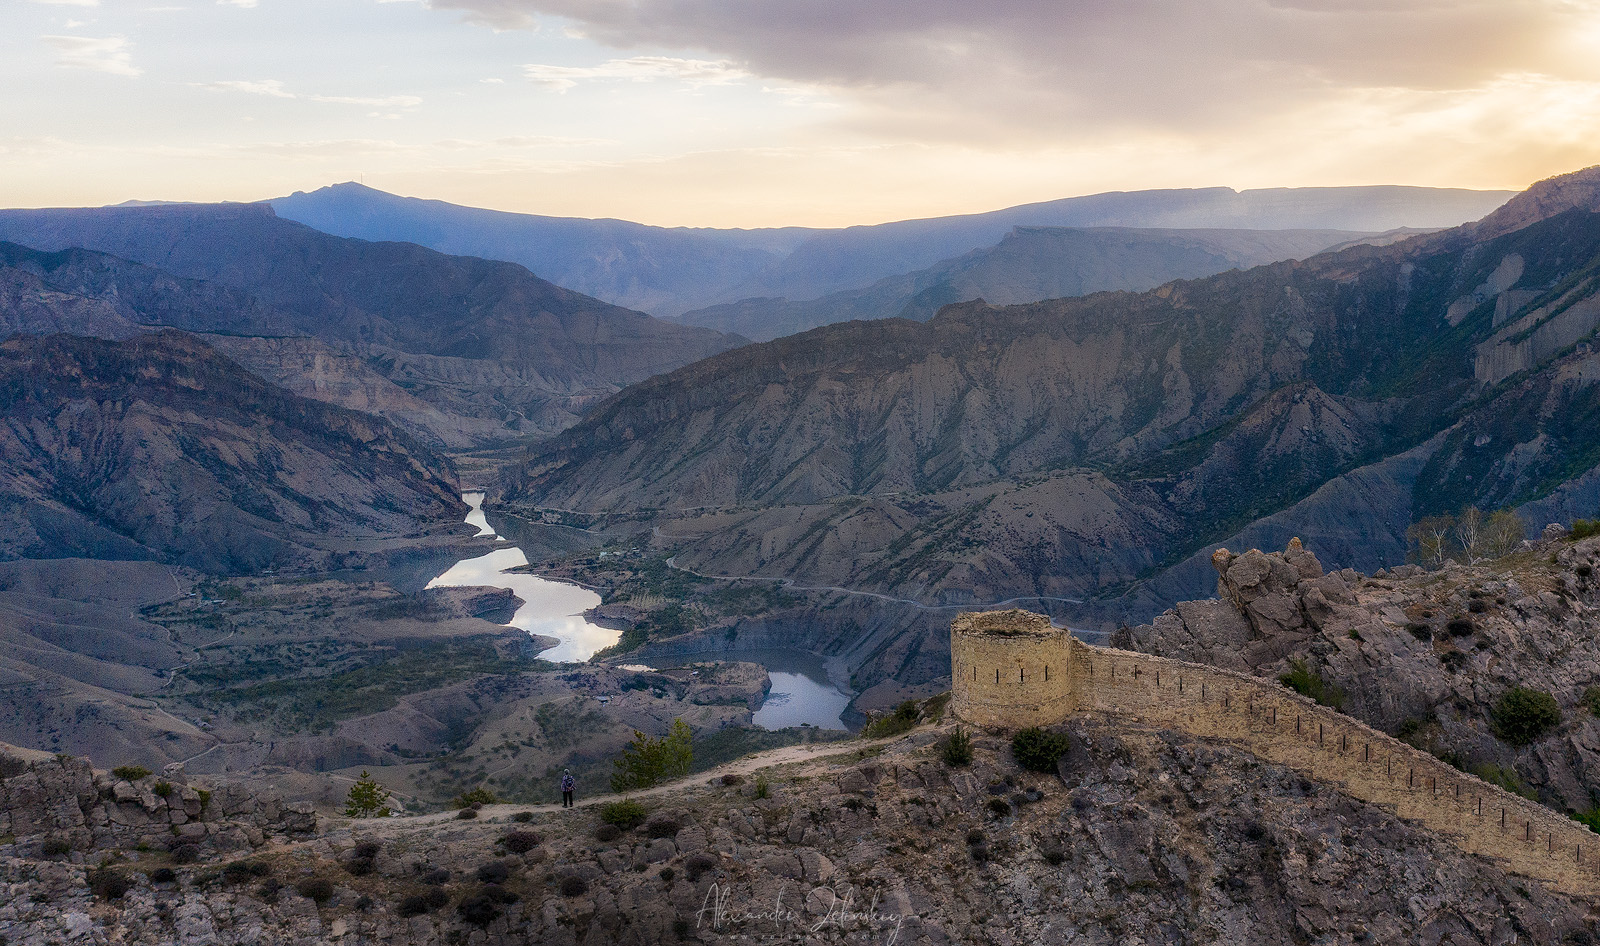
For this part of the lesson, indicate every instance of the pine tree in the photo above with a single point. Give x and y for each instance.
(649, 761)
(367, 799)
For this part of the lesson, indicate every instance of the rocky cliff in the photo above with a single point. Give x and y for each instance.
(159, 448)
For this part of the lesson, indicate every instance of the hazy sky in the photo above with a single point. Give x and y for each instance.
(770, 112)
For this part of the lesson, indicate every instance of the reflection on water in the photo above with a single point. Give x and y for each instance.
(801, 695)
(475, 516)
(549, 608)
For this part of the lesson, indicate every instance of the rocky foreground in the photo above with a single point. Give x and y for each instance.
(1142, 837)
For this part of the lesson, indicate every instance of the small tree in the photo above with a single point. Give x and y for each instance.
(367, 799)
(1038, 750)
(649, 761)
(1523, 714)
(1469, 534)
(1430, 540)
(956, 750)
(1502, 533)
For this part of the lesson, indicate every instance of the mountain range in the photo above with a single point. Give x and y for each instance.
(671, 271)
(1099, 447)
(464, 351)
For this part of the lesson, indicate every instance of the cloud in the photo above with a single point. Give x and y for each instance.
(69, 3)
(105, 54)
(273, 88)
(246, 4)
(696, 72)
(1058, 69)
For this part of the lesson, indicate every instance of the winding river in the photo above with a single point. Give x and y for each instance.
(549, 608)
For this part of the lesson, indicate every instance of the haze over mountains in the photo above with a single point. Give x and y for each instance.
(670, 271)
(1076, 447)
(475, 351)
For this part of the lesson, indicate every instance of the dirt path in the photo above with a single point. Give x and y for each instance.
(743, 766)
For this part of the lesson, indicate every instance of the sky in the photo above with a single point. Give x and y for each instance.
(785, 112)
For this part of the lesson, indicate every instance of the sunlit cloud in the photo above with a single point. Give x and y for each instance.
(695, 72)
(103, 54)
(274, 88)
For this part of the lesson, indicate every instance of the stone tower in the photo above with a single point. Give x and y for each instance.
(1010, 669)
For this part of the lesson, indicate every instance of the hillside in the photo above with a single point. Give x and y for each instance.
(1074, 447)
(500, 351)
(670, 271)
(159, 448)
(1030, 264)
(1141, 834)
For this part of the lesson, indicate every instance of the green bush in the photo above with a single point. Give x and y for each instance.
(315, 889)
(1303, 681)
(650, 761)
(1591, 699)
(956, 749)
(762, 788)
(478, 796)
(1037, 750)
(1584, 528)
(162, 788)
(1522, 715)
(1589, 819)
(626, 814)
(1506, 778)
(901, 720)
(130, 773)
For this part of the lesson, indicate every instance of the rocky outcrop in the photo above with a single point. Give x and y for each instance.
(58, 807)
(1421, 654)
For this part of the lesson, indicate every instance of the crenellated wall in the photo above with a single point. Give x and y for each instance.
(1284, 727)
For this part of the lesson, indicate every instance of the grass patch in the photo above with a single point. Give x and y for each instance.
(1306, 682)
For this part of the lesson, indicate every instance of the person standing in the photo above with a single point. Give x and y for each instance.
(568, 783)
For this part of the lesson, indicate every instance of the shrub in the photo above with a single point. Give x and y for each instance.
(479, 796)
(414, 905)
(163, 875)
(662, 827)
(762, 788)
(732, 779)
(1461, 627)
(359, 866)
(268, 891)
(574, 886)
(55, 847)
(956, 749)
(1053, 854)
(205, 798)
(520, 842)
(367, 849)
(1589, 819)
(316, 889)
(976, 836)
(1584, 528)
(979, 852)
(493, 872)
(650, 761)
(522, 817)
(999, 807)
(697, 864)
(1421, 632)
(435, 898)
(1303, 681)
(108, 884)
(499, 894)
(667, 874)
(364, 903)
(162, 788)
(185, 854)
(238, 872)
(467, 814)
(130, 773)
(436, 877)
(1522, 715)
(478, 910)
(1037, 750)
(607, 833)
(625, 814)
(901, 720)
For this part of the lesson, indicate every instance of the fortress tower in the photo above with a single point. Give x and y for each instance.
(1011, 669)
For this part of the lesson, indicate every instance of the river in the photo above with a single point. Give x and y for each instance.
(549, 608)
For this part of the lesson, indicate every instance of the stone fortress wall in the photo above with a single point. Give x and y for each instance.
(1268, 720)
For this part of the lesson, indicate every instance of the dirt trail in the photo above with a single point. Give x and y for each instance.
(742, 766)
